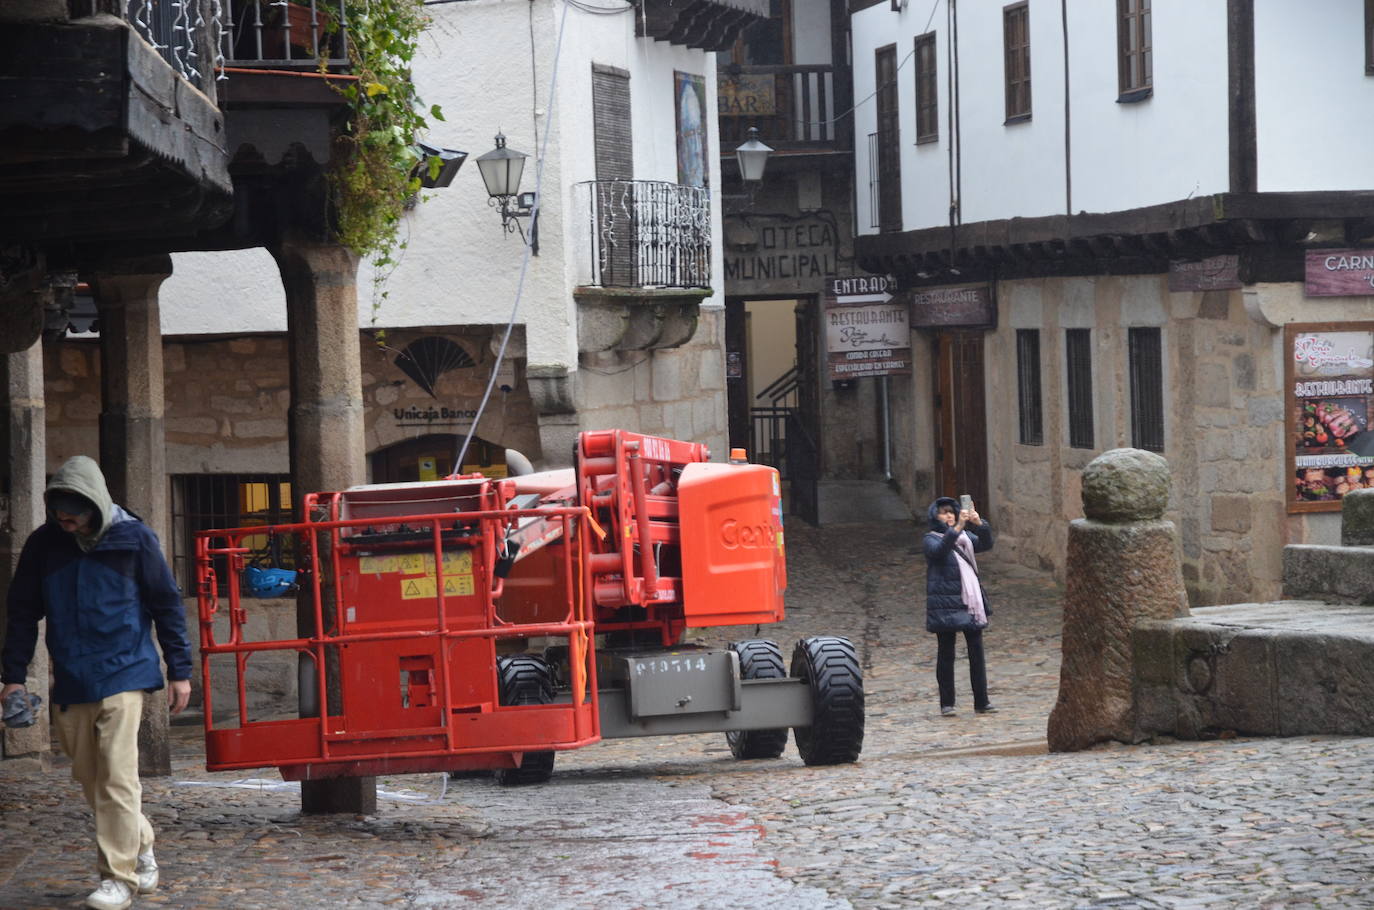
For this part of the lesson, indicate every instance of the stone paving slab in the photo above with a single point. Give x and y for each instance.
(968, 811)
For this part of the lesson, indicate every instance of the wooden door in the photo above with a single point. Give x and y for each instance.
(736, 373)
(961, 457)
(803, 426)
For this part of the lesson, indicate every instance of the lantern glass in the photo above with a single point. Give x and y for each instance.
(501, 169)
(752, 156)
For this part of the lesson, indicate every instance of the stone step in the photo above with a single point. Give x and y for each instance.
(1342, 574)
(1295, 667)
(858, 501)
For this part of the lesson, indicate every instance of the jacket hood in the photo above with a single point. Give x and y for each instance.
(81, 475)
(935, 523)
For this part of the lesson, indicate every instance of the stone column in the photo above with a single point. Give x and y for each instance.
(1122, 567)
(133, 448)
(325, 426)
(21, 511)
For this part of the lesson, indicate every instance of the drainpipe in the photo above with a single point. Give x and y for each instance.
(887, 427)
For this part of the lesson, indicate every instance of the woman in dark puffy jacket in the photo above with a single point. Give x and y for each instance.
(955, 599)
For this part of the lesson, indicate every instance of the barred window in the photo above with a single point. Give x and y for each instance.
(927, 90)
(1135, 57)
(1147, 389)
(1078, 357)
(1016, 60)
(204, 501)
(1028, 387)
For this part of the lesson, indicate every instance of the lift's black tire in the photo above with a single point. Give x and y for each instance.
(758, 659)
(830, 667)
(525, 680)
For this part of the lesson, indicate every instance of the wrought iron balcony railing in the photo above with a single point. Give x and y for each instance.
(184, 32)
(646, 233)
(285, 34)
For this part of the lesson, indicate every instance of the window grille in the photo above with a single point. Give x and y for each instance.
(1135, 56)
(874, 181)
(1028, 387)
(1016, 60)
(1147, 389)
(204, 501)
(1079, 372)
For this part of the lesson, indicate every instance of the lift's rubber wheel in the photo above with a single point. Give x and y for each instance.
(525, 680)
(830, 666)
(758, 659)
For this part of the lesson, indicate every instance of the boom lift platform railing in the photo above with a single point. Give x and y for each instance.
(471, 623)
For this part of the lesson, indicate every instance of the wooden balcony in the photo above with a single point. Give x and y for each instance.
(794, 107)
(711, 25)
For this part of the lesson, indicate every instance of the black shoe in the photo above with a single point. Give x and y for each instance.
(986, 709)
(947, 711)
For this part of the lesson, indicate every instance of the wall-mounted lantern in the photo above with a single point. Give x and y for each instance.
(501, 170)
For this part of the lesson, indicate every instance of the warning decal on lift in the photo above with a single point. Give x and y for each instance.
(454, 586)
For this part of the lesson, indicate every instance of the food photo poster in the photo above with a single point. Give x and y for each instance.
(1330, 373)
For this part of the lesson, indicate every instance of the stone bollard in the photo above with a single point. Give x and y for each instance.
(1122, 567)
(1357, 518)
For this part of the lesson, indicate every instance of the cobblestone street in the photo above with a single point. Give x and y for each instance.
(968, 811)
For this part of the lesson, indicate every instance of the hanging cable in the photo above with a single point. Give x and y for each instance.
(529, 252)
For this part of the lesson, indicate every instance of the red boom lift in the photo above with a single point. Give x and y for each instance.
(473, 623)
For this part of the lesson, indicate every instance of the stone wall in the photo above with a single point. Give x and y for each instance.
(227, 398)
(1223, 424)
(674, 392)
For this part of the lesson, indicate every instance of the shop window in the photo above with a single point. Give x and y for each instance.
(927, 90)
(1078, 371)
(1147, 389)
(201, 502)
(1135, 57)
(1016, 61)
(1028, 387)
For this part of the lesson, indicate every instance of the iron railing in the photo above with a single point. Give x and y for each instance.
(185, 33)
(646, 233)
(792, 106)
(768, 423)
(294, 34)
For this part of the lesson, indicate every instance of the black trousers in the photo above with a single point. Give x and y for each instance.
(977, 669)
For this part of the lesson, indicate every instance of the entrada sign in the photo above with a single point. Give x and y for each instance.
(867, 331)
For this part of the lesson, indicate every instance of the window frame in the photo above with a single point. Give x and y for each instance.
(1141, 51)
(1015, 59)
(1030, 406)
(928, 90)
(1078, 388)
(1369, 37)
(887, 109)
(1145, 354)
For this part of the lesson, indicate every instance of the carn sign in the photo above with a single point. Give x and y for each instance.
(867, 331)
(1339, 273)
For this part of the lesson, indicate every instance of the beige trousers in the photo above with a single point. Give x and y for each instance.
(101, 738)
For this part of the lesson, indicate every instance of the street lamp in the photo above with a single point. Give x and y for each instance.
(752, 156)
(501, 169)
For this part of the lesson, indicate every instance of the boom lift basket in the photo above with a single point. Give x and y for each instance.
(401, 583)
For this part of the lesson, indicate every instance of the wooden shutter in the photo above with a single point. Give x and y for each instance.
(889, 144)
(611, 121)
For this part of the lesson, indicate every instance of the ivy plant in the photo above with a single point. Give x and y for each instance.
(377, 176)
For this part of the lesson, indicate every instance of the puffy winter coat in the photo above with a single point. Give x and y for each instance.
(101, 595)
(945, 608)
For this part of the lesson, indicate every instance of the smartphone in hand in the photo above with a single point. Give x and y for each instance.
(965, 502)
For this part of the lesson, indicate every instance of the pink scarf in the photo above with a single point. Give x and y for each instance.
(968, 580)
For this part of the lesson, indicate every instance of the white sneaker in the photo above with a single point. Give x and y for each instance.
(146, 870)
(111, 895)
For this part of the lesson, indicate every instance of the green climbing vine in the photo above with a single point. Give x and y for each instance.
(376, 177)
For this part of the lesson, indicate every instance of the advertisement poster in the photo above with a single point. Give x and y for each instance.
(1330, 377)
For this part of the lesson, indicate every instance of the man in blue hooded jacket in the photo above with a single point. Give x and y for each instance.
(97, 574)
